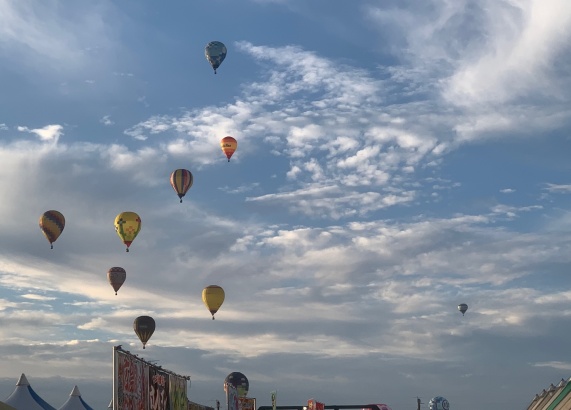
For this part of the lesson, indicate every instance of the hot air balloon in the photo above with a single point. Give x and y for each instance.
(213, 297)
(181, 181)
(116, 277)
(438, 403)
(215, 53)
(144, 327)
(239, 381)
(228, 145)
(127, 225)
(52, 224)
(462, 307)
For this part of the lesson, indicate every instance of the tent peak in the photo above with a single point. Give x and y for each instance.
(75, 391)
(22, 381)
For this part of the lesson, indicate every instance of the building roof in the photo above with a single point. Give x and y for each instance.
(550, 398)
(25, 398)
(75, 402)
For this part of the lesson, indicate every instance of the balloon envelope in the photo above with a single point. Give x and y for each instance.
(116, 277)
(438, 403)
(52, 224)
(228, 145)
(144, 327)
(462, 307)
(181, 181)
(239, 381)
(127, 225)
(215, 53)
(213, 297)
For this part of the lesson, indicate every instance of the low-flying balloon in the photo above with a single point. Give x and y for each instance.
(462, 307)
(144, 327)
(215, 53)
(213, 297)
(438, 403)
(239, 381)
(127, 225)
(228, 145)
(116, 277)
(52, 224)
(181, 181)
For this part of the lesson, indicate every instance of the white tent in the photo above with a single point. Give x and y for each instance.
(25, 398)
(75, 402)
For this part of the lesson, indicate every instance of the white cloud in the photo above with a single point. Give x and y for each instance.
(554, 364)
(34, 296)
(513, 211)
(241, 189)
(525, 43)
(558, 188)
(48, 133)
(497, 66)
(5, 304)
(106, 120)
(95, 323)
(495, 50)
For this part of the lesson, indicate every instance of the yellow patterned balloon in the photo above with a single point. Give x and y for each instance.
(52, 224)
(127, 225)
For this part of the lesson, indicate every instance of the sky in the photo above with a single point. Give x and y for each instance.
(395, 158)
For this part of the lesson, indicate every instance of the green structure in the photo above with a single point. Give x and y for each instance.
(553, 398)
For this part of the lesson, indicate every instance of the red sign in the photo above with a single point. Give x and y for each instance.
(315, 405)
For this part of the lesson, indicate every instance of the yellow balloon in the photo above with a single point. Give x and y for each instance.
(213, 297)
(127, 225)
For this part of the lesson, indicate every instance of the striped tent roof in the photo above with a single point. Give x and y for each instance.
(75, 402)
(25, 398)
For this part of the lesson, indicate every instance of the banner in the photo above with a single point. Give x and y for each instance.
(141, 385)
(132, 382)
(247, 403)
(158, 389)
(231, 397)
(177, 391)
(315, 405)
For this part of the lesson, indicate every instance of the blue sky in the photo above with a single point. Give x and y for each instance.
(395, 159)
